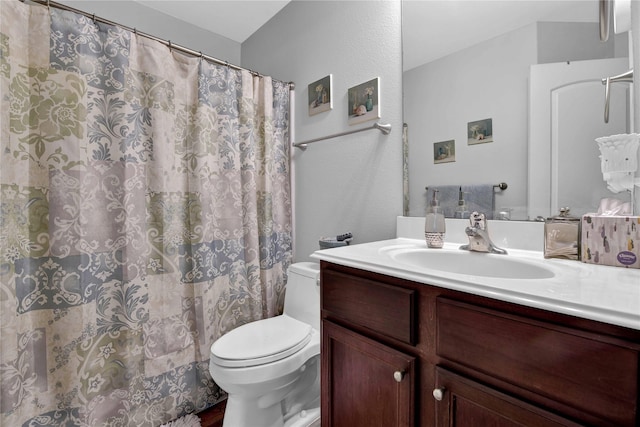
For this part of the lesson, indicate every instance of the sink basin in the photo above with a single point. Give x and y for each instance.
(471, 263)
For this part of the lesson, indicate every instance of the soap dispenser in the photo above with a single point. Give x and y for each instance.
(434, 227)
(462, 212)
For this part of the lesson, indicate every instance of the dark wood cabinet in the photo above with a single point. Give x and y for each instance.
(466, 360)
(463, 402)
(564, 368)
(370, 384)
(367, 382)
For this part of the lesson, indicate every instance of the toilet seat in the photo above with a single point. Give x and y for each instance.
(261, 342)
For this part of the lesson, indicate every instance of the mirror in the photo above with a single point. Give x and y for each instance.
(467, 74)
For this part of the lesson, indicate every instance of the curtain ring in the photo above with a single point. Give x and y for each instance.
(48, 4)
(135, 31)
(93, 18)
(201, 55)
(170, 46)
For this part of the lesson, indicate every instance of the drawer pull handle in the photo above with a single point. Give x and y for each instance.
(398, 376)
(438, 393)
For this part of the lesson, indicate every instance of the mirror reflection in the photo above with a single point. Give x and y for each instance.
(509, 92)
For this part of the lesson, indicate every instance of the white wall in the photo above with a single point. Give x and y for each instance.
(351, 183)
(134, 15)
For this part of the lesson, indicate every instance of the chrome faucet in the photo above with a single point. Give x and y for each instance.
(479, 239)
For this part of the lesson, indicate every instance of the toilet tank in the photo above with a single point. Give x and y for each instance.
(302, 294)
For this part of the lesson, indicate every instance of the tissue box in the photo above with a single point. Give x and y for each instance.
(611, 240)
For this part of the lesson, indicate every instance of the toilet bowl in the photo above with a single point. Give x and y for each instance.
(270, 368)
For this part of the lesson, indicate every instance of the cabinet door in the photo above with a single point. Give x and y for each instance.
(462, 402)
(591, 377)
(364, 383)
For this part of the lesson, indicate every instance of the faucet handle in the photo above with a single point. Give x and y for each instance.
(477, 219)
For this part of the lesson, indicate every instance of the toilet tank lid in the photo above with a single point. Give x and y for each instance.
(307, 269)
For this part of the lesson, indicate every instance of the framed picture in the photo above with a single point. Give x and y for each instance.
(444, 151)
(320, 96)
(364, 102)
(479, 132)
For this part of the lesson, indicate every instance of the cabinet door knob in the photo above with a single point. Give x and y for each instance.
(398, 376)
(438, 393)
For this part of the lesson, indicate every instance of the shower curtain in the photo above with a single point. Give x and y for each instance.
(145, 211)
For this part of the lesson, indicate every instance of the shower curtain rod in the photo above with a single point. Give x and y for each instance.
(168, 43)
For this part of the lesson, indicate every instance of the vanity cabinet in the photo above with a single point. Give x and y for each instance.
(400, 353)
(366, 382)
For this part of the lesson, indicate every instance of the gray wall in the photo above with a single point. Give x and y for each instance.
(351, 183)
(576, 41)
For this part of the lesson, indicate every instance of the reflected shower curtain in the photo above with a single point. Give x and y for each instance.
(145, 211)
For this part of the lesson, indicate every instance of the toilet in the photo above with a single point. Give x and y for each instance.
(270, 368)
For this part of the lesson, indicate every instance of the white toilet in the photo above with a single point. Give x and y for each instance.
(270, 368)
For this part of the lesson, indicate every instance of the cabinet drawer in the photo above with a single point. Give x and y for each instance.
(593, 374)
(386, 309)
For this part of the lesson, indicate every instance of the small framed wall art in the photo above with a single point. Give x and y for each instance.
(480, 132)
(364, 102)
(320, 96)
(444, 151)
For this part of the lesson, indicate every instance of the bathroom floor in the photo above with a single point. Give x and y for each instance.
(212, 417)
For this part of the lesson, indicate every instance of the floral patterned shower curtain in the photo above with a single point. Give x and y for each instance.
(145, 211)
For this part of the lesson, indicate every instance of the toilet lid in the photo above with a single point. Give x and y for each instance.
(261, 342)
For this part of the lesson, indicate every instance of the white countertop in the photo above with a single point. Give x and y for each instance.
(602, 293)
